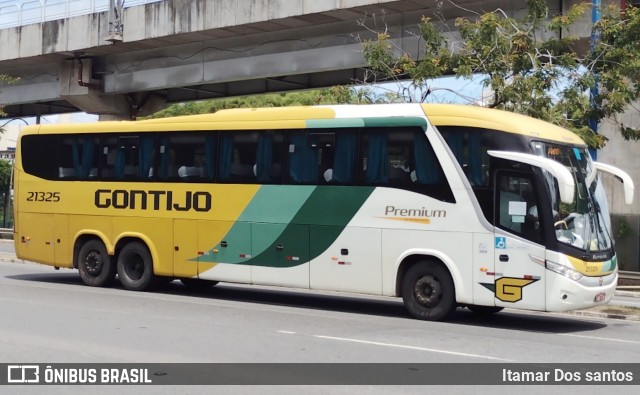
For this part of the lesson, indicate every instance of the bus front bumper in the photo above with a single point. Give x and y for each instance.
(564, 294)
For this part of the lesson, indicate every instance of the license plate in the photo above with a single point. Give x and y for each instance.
(600, 297)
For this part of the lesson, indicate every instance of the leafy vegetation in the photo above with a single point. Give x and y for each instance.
(5, 80)
(531, 65)
(334, 95)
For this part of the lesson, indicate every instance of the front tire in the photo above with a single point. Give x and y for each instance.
(95, 265)
(428, 291)
(135, 267)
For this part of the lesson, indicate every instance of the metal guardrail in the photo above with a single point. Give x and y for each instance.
(626, 275)
(25, 12)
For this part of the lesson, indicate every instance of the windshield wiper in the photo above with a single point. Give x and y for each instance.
(595, 212)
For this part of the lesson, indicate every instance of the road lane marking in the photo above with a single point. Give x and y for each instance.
(601, 338)
(287, 332)
(411, 347)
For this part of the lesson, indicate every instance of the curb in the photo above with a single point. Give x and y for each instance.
(634, 294)
(597, 314)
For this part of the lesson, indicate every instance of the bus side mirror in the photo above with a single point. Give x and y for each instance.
(621, 175)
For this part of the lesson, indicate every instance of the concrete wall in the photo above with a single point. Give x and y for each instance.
(625, 155)
(626, 233)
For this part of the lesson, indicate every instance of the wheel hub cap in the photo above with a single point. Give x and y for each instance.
(93, 263)
(427, 291)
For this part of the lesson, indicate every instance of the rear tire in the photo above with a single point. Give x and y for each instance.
(135, 267)
(95, 265)
(428, 291)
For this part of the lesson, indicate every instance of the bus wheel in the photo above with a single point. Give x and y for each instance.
(94, 264)
(484, 310)
(428, 292)
(197, 284)
(135, 267)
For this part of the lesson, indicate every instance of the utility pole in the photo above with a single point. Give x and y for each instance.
(593, 94)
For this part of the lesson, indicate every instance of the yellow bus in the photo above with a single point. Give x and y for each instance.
(442, 205)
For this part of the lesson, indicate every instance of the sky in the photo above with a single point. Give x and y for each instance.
(442, 90)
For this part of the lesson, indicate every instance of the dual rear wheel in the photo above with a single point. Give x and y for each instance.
(134, 265)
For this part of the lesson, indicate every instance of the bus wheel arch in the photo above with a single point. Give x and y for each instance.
(427, 287)
(134, 264)
(96, 267)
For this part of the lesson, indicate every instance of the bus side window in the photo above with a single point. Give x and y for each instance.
(389, 157)
(303, 160)
(78, 157)
(375, 160)
(517, 206)
(128, 157)
(269, 158)
(401, 157)
(37, 155)
(469, 146)
(345, 157)
(187, 157)
(237, 157)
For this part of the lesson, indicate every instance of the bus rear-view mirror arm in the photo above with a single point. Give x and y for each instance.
(566, 183)
(621, 175)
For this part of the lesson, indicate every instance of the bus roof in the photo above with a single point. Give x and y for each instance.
(488, 118)
(300, 117)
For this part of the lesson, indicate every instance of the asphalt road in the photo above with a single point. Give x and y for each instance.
(49, 316)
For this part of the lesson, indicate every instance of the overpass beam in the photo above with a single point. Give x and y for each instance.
(78, 87)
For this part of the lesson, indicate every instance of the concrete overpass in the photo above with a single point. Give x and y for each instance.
(171, 51)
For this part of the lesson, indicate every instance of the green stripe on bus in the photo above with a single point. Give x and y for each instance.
(276, 203)
(335, 123)
(273, 205)
(610, 265)
(299, 243)
(395, 121)
(347, 200)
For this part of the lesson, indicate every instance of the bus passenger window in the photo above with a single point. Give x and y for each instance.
(187, 157)
(78, 157)
(269, 158)
(128, 157)
(376, 162)
(238, 157)
(303, 160)
(337, 155)
(37, 158)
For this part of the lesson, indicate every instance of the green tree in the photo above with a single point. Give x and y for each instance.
(5, 193)
(5, 80)
(530, 64)
(5, 175)
(334, 95)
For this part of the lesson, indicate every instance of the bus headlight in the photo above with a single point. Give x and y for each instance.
(564, 270)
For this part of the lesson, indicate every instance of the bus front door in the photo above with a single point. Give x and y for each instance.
(519, 248)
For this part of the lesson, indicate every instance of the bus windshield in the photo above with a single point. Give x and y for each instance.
(584, 223)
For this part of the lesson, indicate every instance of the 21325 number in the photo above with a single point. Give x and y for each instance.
(43, 196)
